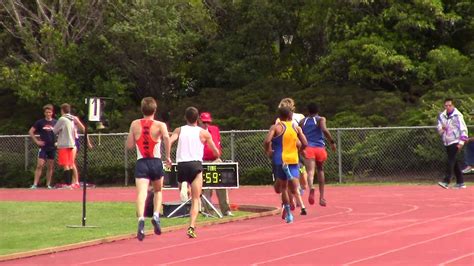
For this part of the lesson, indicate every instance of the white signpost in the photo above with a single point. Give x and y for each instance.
(94, 109)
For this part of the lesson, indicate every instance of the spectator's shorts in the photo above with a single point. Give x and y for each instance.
(150, 168)
(46, 154)
(65, 157)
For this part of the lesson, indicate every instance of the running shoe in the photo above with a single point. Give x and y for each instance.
(303, 211)
(33, 187)
(443, 185)
(311, 196)
(322, 202)
(459, 186)
(75, 186)
(50, 187)
(141, 230)
(289, 217)
(156, 226)
(467, 170)
(191, 232)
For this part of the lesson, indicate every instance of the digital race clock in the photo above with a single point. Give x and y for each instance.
(214, 175)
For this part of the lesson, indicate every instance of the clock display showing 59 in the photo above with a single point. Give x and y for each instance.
(211, 178)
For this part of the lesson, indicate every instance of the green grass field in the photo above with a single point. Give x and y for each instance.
(27, 226)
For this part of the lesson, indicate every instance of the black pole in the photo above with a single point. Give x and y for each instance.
(84, 181)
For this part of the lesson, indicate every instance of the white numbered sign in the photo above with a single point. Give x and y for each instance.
(94, 109)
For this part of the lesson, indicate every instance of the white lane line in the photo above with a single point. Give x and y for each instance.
(408, 246)
(347, 210)
(360, 238)
(413, 208)
(456, 259)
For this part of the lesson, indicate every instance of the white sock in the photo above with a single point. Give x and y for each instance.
(141, 218)
(183, 193)
(156, 216)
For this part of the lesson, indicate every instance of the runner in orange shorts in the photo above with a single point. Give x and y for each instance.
(314, 128)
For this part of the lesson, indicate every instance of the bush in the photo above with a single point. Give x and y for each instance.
(12, 175)
(256, 176)
(109, 175)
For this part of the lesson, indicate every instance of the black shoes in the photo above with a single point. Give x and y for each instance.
(156, 226)
(141, 230)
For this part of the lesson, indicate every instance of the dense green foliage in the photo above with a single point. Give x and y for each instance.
(368, 63)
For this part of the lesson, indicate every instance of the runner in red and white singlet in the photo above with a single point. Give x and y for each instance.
(145, 135)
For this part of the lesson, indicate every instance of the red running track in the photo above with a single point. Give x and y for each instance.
(362, 225)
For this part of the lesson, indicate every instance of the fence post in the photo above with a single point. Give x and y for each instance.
(26, 154)
(126, 160)
(339, 154)
(232, 148)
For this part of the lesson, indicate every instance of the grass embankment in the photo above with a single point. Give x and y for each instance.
(27, 226)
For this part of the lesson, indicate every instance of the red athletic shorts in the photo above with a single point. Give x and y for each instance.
(65, 157)
(319, 154)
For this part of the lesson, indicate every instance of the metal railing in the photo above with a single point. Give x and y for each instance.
(363, 154)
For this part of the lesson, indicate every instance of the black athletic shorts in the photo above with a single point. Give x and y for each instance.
(187, 171)
(47, 154)
(151, 168)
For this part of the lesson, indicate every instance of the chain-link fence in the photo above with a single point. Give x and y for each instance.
(363, 154)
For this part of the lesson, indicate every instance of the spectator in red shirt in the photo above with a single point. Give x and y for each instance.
(209, 157)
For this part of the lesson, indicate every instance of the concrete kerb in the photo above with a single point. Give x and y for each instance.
(257, 211)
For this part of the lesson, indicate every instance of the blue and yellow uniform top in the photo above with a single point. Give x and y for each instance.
(285, 149)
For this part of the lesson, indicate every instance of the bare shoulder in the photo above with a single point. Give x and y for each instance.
(159, 123)
(204, 132)
(275, 128)
(135, 124)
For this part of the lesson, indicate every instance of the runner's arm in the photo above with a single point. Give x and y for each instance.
(174, 137)
(322, 124)
(302, 138)
(166, 141)
(267, 143)
(131, 136)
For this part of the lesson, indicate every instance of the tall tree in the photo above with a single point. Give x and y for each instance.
(46, 26)
(155, 41)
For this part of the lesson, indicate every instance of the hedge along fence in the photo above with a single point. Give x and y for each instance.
(363, 154)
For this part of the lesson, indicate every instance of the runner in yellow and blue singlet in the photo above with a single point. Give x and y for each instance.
(281, 144)
(285, 152)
